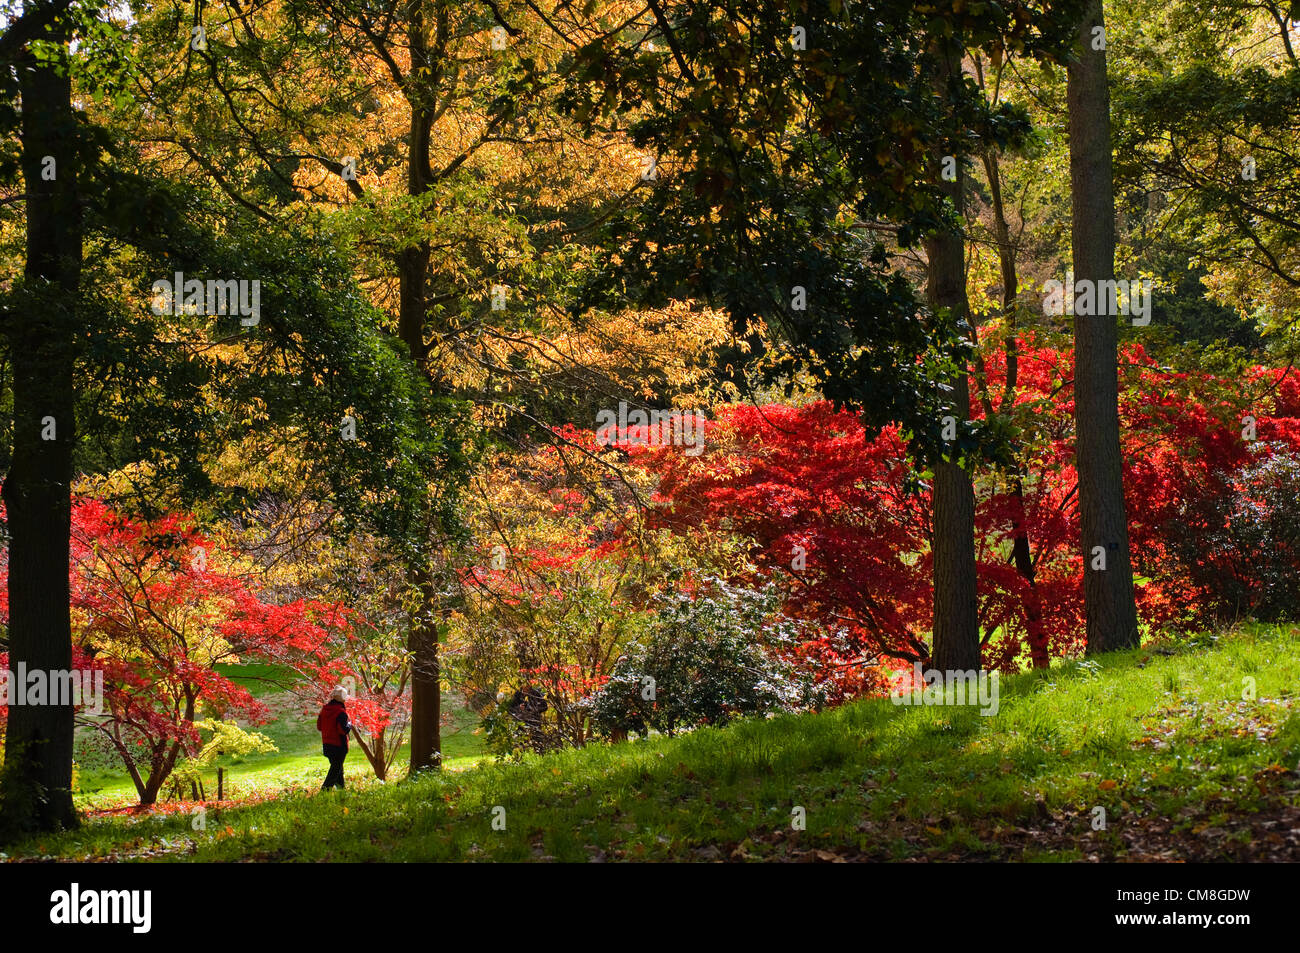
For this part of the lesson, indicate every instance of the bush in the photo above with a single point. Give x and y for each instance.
(706, 659)
(518, 723)
(1243, 549)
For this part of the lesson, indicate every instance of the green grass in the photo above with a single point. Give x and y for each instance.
(1163, 742)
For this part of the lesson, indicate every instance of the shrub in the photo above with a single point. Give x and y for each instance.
(705, 659)
(1243, 547)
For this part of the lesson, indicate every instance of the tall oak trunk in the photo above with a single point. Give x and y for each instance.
(1107, 592)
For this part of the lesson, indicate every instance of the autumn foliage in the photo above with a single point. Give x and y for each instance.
(833, 515)
(839, 524)
(158, 606)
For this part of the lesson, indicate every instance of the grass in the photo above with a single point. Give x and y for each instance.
(1160, 738)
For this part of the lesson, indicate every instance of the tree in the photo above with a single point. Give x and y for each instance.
(807, 482)
(165, 391)
(565, 576)
(1111, 612)
(41, 324)
(956, 641)
(1206, 157)
(779, 208)
(156, 607)
(444, 110)
(1003, 314)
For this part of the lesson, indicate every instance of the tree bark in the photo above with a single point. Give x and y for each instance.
(426, 682)
(1107, 593)
(956, 624)
(413, 266)
(42, 335)
(422, 640)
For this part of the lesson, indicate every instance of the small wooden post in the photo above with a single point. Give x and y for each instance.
(221, 772)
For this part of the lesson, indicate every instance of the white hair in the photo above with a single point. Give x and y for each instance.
(339, 694)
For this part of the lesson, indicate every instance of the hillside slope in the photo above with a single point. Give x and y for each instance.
(1161, 739)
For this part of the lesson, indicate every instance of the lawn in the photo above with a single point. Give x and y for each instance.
(1161, 739)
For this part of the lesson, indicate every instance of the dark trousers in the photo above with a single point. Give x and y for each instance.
(336, 754)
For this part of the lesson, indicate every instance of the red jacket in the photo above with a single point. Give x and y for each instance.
(333, 724)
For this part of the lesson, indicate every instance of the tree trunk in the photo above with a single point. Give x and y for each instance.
(956, 625)
(413, 269)
(37, 490)
(380, 761)
(1107, 593)
(149, 794)
(426, 683)
(422, 640)
(1039, 654)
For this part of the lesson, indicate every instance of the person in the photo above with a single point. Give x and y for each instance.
(333, 725)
